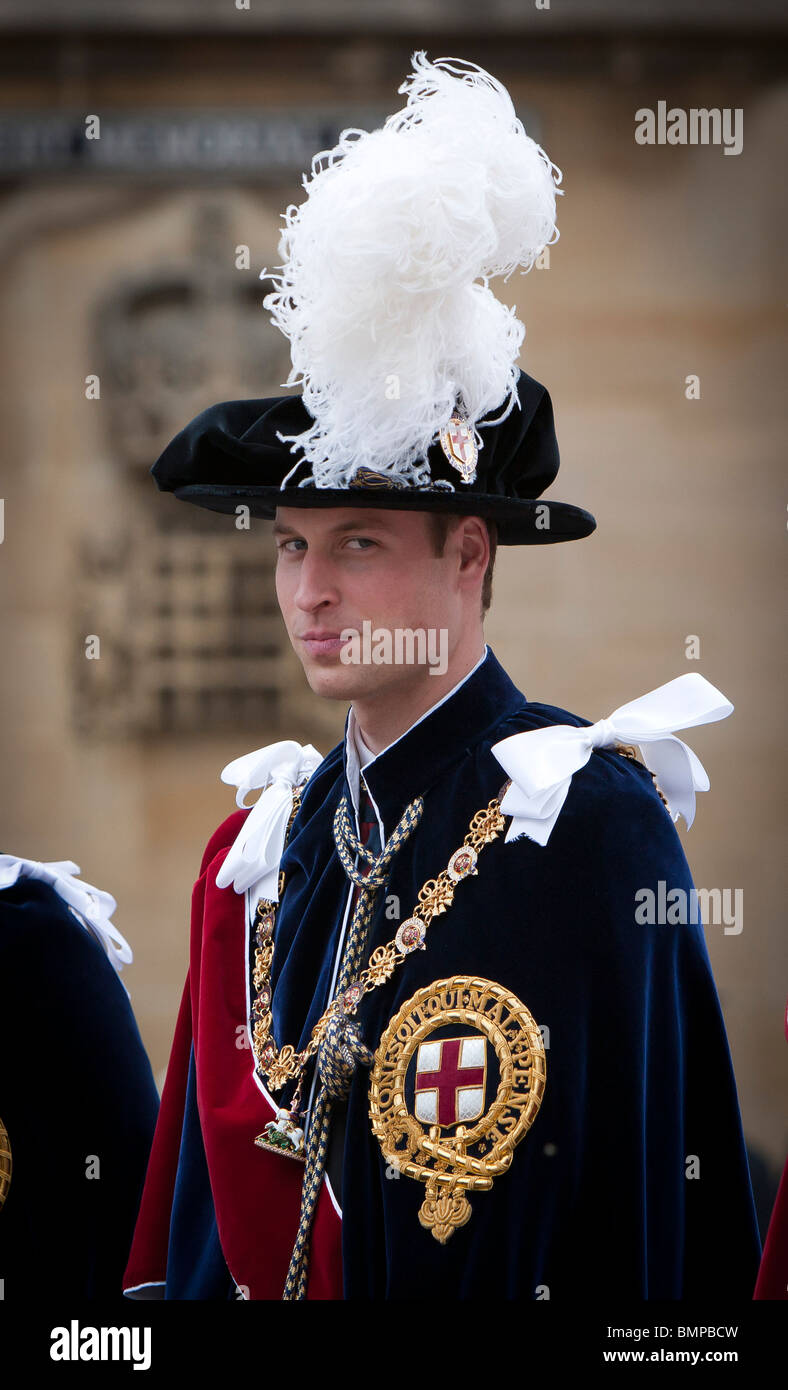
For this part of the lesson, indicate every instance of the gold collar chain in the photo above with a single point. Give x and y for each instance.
(435, 897)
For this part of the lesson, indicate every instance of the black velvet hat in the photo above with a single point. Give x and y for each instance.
(411, 397)
(230, 455)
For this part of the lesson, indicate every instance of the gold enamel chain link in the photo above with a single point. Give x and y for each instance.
(435, 897)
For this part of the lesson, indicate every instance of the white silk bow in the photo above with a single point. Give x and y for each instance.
(88, 901)
(253, 858)
(542, 762)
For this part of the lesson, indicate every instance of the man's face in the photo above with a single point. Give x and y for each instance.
(339, 567)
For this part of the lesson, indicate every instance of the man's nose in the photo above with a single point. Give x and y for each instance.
(316, 581)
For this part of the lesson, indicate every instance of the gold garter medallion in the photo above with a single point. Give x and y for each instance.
(457, 1081)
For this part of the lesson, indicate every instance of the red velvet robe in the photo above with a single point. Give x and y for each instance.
(232, 1110)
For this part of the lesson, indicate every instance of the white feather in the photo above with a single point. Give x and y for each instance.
(383, 291)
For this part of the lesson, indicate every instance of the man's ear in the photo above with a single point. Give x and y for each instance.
(474, 543)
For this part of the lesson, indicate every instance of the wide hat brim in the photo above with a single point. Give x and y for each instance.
(519, 521)
(231, 456)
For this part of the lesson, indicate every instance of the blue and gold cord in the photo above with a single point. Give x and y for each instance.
(342, 1048)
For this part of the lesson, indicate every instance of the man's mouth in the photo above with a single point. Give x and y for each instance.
(322, 643)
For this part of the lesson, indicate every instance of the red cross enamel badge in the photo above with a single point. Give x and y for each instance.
(450, 1080)
(459, 445)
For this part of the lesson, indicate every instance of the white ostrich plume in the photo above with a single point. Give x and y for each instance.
(383, 291)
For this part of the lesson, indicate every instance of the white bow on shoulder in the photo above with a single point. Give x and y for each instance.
(542, 762)
(253, 858)
(86, 900)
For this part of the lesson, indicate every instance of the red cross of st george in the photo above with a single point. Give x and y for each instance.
(449, 1079)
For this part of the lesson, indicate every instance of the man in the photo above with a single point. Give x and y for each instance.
(78, 1102)
(428, 1047)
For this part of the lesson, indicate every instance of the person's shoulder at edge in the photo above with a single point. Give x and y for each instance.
(34, 918)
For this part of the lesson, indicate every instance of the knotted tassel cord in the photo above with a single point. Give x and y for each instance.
(342, 1048)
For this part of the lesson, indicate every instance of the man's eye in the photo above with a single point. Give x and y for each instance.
(297, 541)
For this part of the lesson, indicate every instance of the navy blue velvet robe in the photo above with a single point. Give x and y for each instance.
(75, 1081)
(597, 1201)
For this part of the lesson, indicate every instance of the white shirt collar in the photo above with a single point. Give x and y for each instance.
(358, 756)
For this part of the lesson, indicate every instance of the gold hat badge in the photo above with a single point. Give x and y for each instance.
(459, 445)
